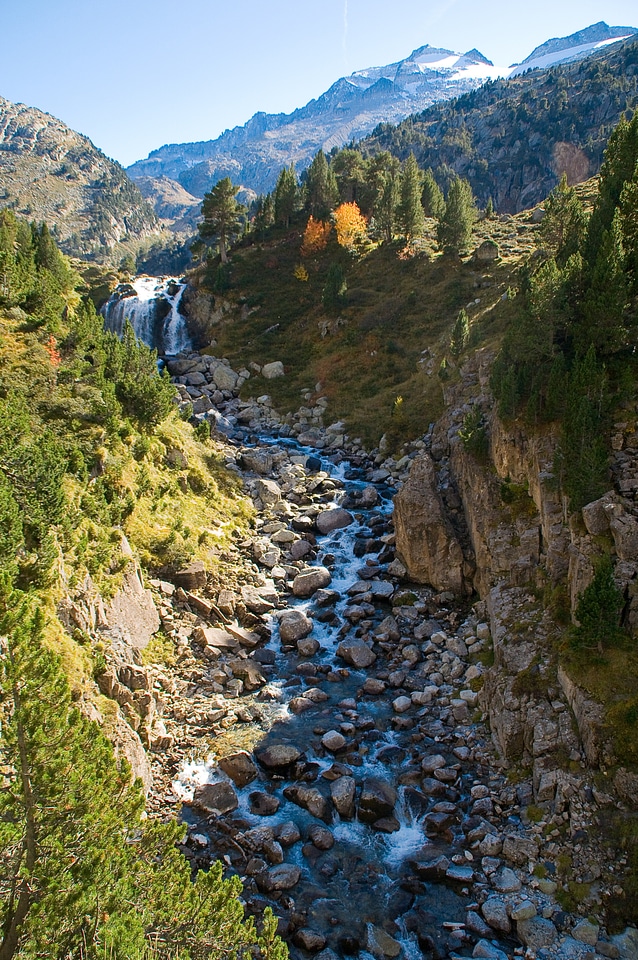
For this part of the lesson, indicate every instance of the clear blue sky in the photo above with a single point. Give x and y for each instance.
(135, 74)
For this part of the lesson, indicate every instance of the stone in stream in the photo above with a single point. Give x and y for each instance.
(294, 625)
(401, 704)
(321, 837)
(343, 793)
(381, 945)
(333, 741)
(300, 549)
(329, 520)
(433, 869)
(240, 768)
(310, 798)
(248, 672)
(356, 653)
(326, 598)
(310, 580)
(277, 756)
(309, 940)
(373, 687)
(288, 834)
(308, 647)
(377, 799)
(215, 798)
(285, 876)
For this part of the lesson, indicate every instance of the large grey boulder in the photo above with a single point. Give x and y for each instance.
(294, 625)
(329, 520)
(310, 580)
(377, 799)
(343, 793)
(131, 615)
(425, 542)
(356, 653)
(536, 932)
(215, 798)
(276, 756)
(240, 768)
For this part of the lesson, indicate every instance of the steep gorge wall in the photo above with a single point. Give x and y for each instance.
(523, 540)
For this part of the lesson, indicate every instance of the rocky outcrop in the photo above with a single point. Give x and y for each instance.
(425, 541)
(131, 617)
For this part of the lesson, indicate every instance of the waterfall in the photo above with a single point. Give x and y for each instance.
(151, 304)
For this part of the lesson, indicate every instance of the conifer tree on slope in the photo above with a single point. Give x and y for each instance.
(222, 215)
(455, 227)
(286, 195)
(81, 876)
(410, 215)
(321, 188)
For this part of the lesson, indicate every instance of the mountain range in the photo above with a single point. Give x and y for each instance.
(253, 154)
(504, 128)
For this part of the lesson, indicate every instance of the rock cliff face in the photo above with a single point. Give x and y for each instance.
(426, 543)
(521, 539)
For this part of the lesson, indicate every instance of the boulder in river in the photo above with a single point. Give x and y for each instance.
(310, 580)
(294, 625)
(329, 520)
(215, 798)
(240, 768)
(277, 756)
(377, 799)
(343, 794)
(356, 653)
(310, 798)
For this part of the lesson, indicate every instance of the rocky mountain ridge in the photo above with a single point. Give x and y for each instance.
(48, 172)
(254, 153)
(513, 139)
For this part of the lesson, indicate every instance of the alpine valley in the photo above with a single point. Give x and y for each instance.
(319, 524)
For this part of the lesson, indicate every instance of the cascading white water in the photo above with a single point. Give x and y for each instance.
(153, 311)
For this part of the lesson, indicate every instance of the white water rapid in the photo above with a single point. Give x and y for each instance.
(151, 304)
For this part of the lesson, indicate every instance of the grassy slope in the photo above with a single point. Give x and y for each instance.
(175, 513)
(402, 305)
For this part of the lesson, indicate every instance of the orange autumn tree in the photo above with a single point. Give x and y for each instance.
(315, 237)
(350, 225)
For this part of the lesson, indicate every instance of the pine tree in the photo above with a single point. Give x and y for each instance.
(619, 165)
(606, 296)
(432, 196)
(222, 215)
(286, 195)
(489, 209)
(629, 227)
(455, 227)
(82, 877)
(66, 818)
(410, 215)
(562, 229)
(349, 168)
(598, 610)
(321, 189)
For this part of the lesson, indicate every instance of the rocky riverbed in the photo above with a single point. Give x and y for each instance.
(322, 723)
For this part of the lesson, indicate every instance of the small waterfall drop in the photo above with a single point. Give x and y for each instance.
(151, 304)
